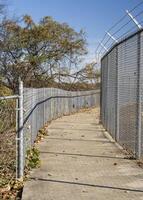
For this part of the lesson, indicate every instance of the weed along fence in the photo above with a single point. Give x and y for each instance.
(23, 115)
(122, 93)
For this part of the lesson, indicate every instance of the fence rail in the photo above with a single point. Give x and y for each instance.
(24, 114)
(122, 93)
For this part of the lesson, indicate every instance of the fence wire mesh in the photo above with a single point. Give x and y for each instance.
(122, 92)
(7, 141)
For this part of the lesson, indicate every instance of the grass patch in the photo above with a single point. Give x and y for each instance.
(33, 158)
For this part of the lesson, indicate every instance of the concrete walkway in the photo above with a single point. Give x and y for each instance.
(78, 162)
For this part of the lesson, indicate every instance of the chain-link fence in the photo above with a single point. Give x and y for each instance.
(122, 92)
(45, 104)
(7, 139)
(23, 115)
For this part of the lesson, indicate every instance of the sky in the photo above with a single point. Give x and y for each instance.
(93, 16)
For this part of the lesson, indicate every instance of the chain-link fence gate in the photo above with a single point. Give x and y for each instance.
(122, 93)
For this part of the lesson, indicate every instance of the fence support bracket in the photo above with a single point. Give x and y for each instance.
(112, 37)
(134, 20)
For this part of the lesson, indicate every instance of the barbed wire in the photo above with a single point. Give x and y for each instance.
(121, 29)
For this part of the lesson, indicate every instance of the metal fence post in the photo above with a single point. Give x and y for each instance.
(17, 138)
(117, 136)
(20, 144)
(100, 119)
(138, 142)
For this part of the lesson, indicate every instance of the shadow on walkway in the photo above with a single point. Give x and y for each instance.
(79, 163)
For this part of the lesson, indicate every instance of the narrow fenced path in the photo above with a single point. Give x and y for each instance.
(79, 161)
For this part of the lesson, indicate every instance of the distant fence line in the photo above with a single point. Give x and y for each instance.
(122, 93)
(31, 109)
